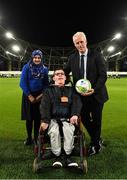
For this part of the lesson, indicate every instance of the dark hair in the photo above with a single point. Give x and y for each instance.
(57, 69)
(51, 79)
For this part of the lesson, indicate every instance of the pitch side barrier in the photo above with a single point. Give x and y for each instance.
(10, 74)
(110, 74)
(116, 74)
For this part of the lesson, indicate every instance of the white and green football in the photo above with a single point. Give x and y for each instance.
(82, 86)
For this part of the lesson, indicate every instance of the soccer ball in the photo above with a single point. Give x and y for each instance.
(82, 86)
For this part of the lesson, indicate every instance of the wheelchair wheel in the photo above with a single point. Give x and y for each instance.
(84, 167)
(83, 160)
(36, 165)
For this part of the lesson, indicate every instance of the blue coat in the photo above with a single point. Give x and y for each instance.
(34, 78)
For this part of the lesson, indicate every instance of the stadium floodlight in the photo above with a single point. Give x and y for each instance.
(7, 52)
(116, 54)
(117, 36)
(110, 48)
(16, 48)
(109, 41)
(9, 35)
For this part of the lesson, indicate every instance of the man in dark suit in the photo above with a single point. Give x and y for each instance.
(92, 68)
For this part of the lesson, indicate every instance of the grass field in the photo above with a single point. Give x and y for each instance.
(16, 160)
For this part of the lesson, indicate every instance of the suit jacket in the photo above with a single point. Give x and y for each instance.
(95, 72)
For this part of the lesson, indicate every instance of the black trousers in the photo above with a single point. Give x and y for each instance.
(31, 113)
(92, 118)
(34, 121)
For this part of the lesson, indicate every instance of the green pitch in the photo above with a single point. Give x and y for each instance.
(16, 160)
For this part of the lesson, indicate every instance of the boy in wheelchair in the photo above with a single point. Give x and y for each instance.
(60, 109)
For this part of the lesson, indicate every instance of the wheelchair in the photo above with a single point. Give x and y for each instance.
(43, 150)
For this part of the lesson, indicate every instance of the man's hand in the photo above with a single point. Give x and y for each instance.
(74, 120)
(88, 93)
(43, 126)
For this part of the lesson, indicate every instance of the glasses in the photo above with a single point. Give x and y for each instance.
(57, 74)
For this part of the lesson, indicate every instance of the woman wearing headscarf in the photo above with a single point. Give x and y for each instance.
(33, 81)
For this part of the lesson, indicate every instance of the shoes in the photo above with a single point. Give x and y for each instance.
(94, 150)
(58, 162)
(70, 162)
(28, 142)
(101, 142)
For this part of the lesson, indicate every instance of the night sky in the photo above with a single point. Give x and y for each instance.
(53, 23)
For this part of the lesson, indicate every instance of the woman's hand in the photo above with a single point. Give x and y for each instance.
(31, 98)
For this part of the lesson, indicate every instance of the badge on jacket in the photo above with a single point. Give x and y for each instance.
(64, 99)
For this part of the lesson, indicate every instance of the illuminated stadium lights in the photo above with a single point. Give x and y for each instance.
(9, 35)
(7, 52)
(117, 36)
(16, 48)
(110, 48)
(58, 56)
(116, 54)
(104, 44)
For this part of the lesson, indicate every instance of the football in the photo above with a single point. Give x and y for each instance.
(82, 86)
